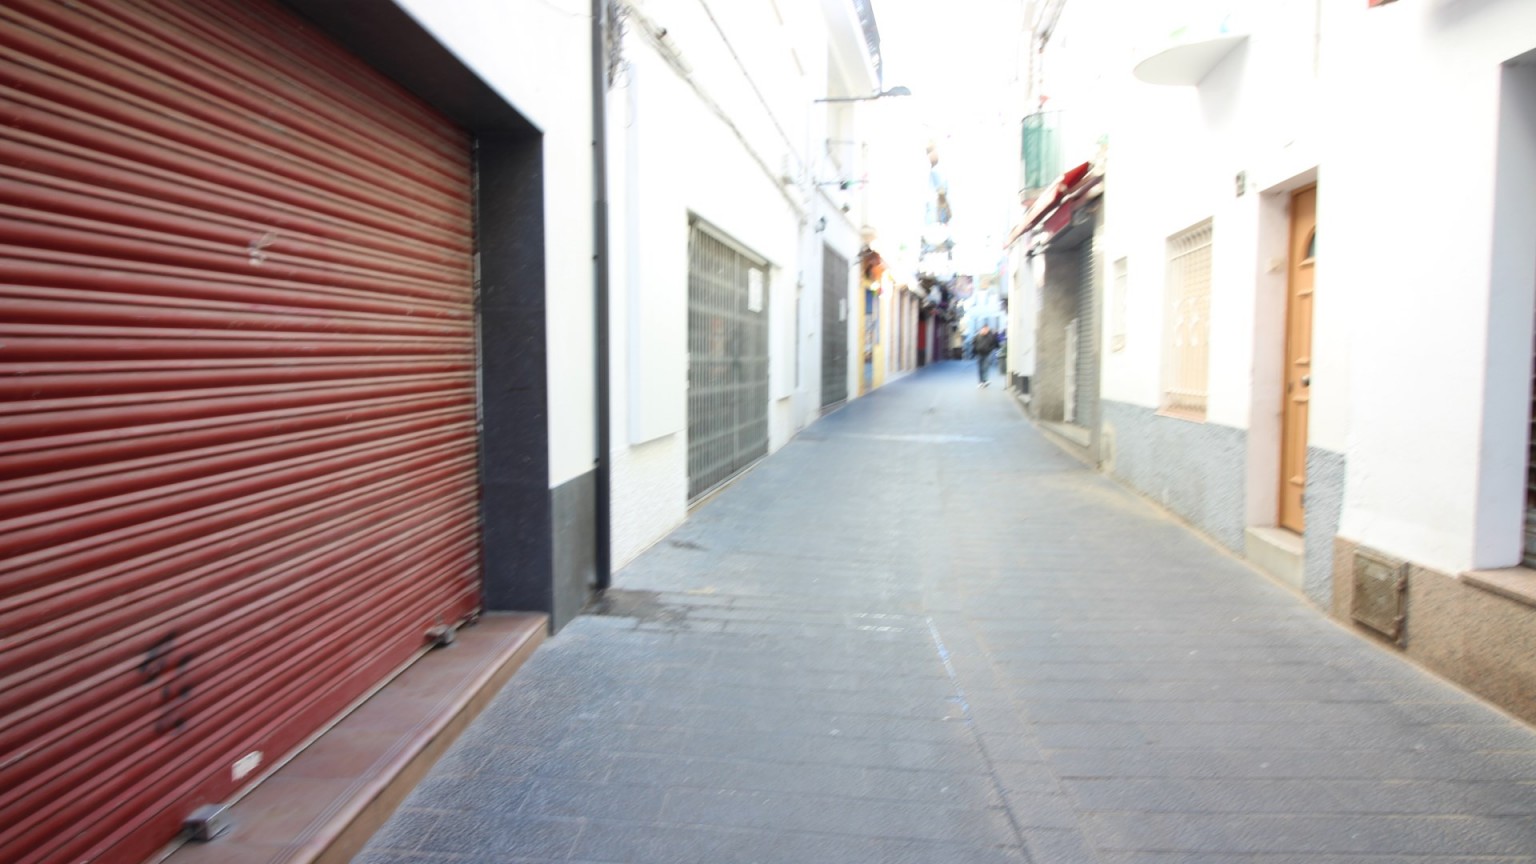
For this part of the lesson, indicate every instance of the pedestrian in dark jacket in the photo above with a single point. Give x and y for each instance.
(984, 343)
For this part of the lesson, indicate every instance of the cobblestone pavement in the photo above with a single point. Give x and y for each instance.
(920, 633)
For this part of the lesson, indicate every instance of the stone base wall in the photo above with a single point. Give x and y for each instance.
(1196, 470)
(1325, 502)
(1482, 638)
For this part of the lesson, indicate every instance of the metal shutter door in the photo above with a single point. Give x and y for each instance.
(834, 327)
(1528, 557)
(727, 360)
(238, 461)
(1088, 339)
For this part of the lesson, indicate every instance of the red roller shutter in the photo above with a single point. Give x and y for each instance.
(238, 462)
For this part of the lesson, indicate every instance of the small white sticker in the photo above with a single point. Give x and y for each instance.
(247, 764)
(754, 290)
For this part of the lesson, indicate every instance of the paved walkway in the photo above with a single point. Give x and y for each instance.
(920, 633)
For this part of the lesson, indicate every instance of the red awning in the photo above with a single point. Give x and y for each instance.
(1067, 188)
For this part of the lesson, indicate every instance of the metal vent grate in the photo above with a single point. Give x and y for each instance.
(1380, 593)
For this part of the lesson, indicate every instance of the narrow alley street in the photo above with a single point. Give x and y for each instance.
(921, 633)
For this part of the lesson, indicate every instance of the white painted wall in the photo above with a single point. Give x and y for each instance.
(806, 402)
(1174, 156)
(679, 160)
(1439, 290)
(1423, 142)
(536, 57)
(1022, 307)
(713, 121)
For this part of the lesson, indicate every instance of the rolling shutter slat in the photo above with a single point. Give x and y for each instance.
(238, 431)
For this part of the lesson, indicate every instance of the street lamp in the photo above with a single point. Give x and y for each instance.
(894, 91)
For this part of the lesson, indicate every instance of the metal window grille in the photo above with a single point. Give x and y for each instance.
(1041, 150)
(727, 361)
(1118, 310)
(1186, 369)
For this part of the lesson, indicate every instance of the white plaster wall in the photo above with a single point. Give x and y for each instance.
(1144, 203)
(895, 327)
(1148, 196)
(781, 371)
(1406, 228)
(648, 482)
(1512, 296)
(1023, 303)
(648, 454)
(807, 396)
(1174, 156)
(1421, 323)
(699, 132)
(649, 297)
(536, 56)
(843, 237)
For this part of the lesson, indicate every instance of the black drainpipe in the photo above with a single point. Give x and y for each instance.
(603, 553)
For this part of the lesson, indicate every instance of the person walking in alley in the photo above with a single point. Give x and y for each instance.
(984, 344)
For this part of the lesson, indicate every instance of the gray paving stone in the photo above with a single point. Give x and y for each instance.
(1059, 846)
(1307, 858)
(874, 648)
(577, 799)
(373, 855)
(406, 829)
(743, 775)
(1026, 776)
(945, 788)
(668, 844)
(1224, 795)
(453, 793)
(917, 852)
(518, 761)
(1031, 810)
(1291, 834)
(829, 815)
(493, 836)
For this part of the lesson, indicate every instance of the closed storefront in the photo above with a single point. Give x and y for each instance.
(1065, 388)
(727, 359)
(1084, 393)
(237, 405)
(834, 328)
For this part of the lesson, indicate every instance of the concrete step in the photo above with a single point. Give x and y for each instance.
(1280, 553)
(324, 803)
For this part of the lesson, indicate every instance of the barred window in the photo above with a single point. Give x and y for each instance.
(1186, 359)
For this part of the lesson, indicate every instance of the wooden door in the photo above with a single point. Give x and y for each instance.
(1298, 359)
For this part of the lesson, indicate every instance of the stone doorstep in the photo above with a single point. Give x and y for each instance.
(1280, 553)
(323, 805)
(1069, 431)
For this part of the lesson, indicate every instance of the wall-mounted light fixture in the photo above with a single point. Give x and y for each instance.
(894, 91)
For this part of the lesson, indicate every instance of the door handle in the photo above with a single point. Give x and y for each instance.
(1306, 380)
